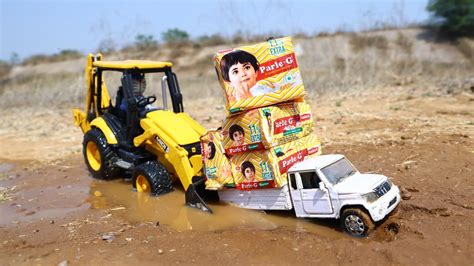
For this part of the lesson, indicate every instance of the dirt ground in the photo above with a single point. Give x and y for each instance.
(52, 211)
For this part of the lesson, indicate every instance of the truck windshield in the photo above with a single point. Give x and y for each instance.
(339, 170)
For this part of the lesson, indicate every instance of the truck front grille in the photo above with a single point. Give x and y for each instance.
(383, 188)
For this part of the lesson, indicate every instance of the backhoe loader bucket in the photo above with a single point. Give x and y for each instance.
(196, 194)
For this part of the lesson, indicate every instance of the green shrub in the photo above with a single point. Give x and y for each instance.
(175, 36)
(143, 41)
(454, 17)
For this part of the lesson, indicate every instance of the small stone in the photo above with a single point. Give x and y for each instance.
(160, 251)
(97, 193)
(109, 237)
(406, 195)
(129, 239)
(63, 263)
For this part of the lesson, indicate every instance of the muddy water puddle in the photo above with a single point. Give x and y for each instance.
(170, 209)
(42, 194)
(53, 193)
(5, 167)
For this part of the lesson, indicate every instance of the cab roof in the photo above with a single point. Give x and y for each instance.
(131, 64)
(319, 162)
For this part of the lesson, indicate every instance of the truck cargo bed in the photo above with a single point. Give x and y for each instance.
(259, 199)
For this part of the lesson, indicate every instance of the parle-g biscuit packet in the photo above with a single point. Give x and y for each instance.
(266, 127)
(216, 165)
(259, 75)
(268, 168)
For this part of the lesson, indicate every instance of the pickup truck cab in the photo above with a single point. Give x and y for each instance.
(327, 186)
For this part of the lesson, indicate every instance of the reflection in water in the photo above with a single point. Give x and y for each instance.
(170, 209)
(5, 167)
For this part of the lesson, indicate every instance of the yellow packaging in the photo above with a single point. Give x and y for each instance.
(259, 75)
(268, 168)
(216, 165)
(266, 127)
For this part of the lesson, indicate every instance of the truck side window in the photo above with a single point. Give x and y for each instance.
(293, 181)
(310, 180)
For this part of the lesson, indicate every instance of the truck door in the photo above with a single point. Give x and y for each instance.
(315, 200)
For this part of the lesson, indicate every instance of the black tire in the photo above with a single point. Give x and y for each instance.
(158, 179)
(356, 222)
(99, 156)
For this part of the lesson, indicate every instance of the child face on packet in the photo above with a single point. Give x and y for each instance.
(249, 174)
(242, 76)
(238, 138)
(208, 150)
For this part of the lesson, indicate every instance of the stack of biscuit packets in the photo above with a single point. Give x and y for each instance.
(268, 126)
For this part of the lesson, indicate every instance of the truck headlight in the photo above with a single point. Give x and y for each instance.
(370, 197)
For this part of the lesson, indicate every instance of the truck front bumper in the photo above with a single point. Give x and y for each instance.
(385, 204)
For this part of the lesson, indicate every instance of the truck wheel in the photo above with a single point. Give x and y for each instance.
(99, 156)
(356, 222)
(152, 177)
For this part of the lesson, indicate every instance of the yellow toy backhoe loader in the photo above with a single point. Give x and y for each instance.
(136, 138)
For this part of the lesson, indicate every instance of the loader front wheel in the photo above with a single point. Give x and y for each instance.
(99, 156)
(152, 177)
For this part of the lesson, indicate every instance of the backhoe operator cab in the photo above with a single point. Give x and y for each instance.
(135, 137)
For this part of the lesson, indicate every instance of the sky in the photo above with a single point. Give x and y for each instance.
(31, 27)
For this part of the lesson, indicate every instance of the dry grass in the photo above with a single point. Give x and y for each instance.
(466, 47)
(404, 43)
(212, 40)
(5, 69)
(44, 90)
(362, 42)
(61, 56)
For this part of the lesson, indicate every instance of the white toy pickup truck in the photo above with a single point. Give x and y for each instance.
(327, 186)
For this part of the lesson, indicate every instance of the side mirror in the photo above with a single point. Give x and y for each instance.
(323, 187)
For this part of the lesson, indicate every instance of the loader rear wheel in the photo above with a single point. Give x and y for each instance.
(356, 222)
(152, 177)
(99, 156)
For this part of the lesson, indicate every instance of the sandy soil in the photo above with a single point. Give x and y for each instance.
(52, 211)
